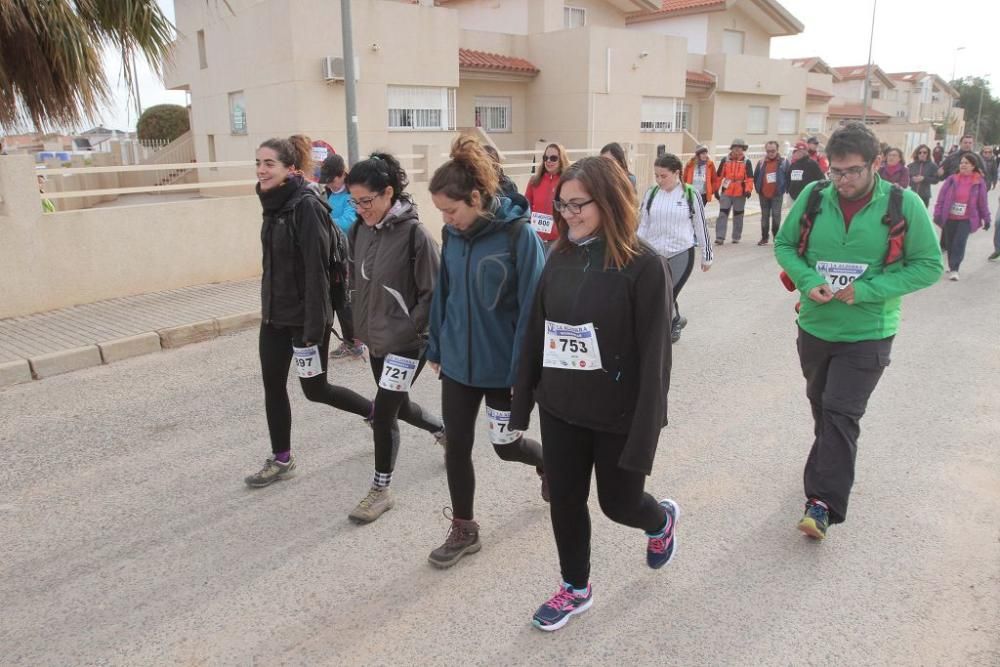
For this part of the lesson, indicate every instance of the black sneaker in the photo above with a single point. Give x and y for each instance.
(995, 255)
(272, 471)
(662, 547)
(815, 521)
(762, 242)
(463, 538)
(719, 241)
(558, 609)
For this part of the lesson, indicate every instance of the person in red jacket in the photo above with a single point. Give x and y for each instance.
(735, 187)
(699, 173)
(541, 189)
(816, 156)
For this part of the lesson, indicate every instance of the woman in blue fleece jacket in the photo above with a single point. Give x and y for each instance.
(491, 260)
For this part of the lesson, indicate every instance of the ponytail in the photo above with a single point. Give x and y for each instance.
(470, 169)
(378, 172)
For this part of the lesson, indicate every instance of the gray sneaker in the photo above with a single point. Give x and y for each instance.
(271, 472)
(375, 504)
(463, 538)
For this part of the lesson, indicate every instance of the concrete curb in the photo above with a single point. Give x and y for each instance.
(110, 351)
(65, 361)
(130, 346)
(15, 372)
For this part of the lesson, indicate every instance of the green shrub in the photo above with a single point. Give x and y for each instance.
(163, 122)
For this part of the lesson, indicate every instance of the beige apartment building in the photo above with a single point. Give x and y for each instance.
(579, 72)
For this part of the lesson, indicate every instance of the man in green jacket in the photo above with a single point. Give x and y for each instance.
(850, 306)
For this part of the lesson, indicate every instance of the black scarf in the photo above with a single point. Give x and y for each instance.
(274, 200)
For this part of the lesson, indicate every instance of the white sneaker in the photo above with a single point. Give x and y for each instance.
(953, 276)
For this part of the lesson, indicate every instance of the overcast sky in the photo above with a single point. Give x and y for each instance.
(909, 35)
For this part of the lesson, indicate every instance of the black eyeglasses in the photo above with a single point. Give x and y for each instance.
(571, 206)
(850, 172)
(551, 158)
(364, 203)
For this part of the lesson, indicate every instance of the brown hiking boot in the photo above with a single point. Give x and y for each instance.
(463, 538)
(375, 504)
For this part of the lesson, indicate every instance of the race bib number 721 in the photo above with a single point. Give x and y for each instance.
(397, 373)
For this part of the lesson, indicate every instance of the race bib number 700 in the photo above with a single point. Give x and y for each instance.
(571, 347)
(840, 274)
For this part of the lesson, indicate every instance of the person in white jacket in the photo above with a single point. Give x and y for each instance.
(672, 220)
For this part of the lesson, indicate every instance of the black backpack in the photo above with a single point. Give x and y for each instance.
(893, 219)
(338, 262)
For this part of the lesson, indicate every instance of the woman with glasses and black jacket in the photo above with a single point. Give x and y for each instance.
(596, 359)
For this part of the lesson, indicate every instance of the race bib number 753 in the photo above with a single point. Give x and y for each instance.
(571, 347)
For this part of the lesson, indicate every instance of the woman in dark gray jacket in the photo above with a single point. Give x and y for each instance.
(395, 265)
(296, 311)
(923, 173)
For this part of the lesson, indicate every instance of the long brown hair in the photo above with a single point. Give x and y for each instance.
(536, 180)
(470, 169)
(614, 197)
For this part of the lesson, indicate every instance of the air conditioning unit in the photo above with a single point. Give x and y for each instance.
(333, 69)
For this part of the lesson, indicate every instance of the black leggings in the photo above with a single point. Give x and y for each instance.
(571, 454)
(460, 408)
(392, 404)
(275, 359)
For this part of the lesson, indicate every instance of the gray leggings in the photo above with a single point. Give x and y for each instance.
(726, 203)
(680, 270)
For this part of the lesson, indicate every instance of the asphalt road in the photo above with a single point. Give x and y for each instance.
(127, 536)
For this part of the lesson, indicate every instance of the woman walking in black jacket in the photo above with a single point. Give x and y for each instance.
(395, 266)
(923, 173)
(596, 359)
(296, 312)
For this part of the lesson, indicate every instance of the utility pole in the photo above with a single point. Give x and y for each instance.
(868, 71)
(350, 91)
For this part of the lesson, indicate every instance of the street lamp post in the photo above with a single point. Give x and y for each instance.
(979, 114)
(868, 70)
(954, 62)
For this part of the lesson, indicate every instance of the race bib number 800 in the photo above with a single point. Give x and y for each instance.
(571, 347)
(541, 222)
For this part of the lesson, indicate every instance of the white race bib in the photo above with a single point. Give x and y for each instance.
(397, 373)
(797, 174)
(499, 433)
(772, 177)
(840, 274)
(958, 209)
(541, 222)
(725, 183)
(571, 347)
(307, 361)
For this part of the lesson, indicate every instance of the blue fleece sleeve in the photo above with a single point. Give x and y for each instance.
(436, 317)
(530, 262)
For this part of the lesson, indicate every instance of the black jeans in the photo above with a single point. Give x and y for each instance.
(392, 404)
(770, 211)
(954, 238)
(840, 377)
(460, 407)
(572, 454)
(275, 347)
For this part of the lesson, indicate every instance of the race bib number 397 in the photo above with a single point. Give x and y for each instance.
(840, 274)
(397, 373)
(307, 361)
(571, 347)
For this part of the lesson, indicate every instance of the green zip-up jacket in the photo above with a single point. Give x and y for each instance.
(875, 312)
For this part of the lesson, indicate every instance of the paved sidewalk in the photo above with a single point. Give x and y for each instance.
(58, 341)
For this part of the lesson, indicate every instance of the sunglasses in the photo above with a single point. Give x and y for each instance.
(551, 158)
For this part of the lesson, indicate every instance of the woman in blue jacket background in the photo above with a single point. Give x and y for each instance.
(491, 260)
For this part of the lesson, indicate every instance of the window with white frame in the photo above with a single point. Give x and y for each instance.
(237, 113)
(660, 114)
(788, 121)
(814, 123)
(493, 113)
(757, 120)
(682, 117)
(420, 107)
(574, 17)
(733, 42)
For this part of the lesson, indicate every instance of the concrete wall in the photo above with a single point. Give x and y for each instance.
(693, 28)
(756, 42)
(63, 259)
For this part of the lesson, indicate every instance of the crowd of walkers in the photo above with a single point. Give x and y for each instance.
(565, 298)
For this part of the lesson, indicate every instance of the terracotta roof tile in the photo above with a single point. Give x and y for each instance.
(699, 78)
(494, 62)
(668, 7)
(855, 111)
(816, 92)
